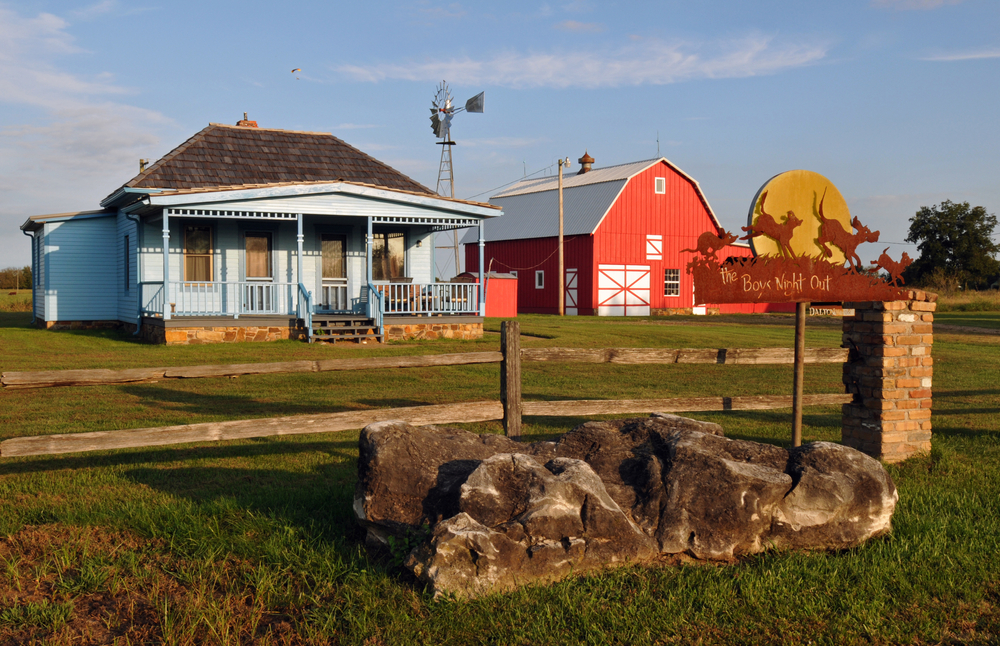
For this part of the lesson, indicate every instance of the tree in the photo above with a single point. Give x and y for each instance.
(956, 239)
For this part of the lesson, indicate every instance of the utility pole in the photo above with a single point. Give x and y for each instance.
(562, 271)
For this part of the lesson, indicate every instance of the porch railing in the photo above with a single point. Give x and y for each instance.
(219, 299)
(151, 299)
(249, 297)
(333, 298)
(430, 298)
(305, 310)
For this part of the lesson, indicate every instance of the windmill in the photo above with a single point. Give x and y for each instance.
(442, 112)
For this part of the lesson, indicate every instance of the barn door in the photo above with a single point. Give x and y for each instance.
(571, 306)
(623, 290)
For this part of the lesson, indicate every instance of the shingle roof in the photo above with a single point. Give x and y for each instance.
(222, 155)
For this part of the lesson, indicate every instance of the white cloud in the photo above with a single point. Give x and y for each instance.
(453, 10)
(965, 56)
(79, 140)
(905, 5)
(96, 9)
(580, 27)
(647, 63)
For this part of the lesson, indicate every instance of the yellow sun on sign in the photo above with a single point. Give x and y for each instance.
(796, 195)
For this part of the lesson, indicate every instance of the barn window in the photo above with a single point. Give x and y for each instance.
(661, 185)
(671, 282)
(539, 279)
(654, 247)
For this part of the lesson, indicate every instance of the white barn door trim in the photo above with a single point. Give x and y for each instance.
(623, 290)
(571, 293)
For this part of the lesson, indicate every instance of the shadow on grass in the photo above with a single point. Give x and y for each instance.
(16, 319)
(254, 448)
(948, 394)
(225, 403)
(964, 432)
(320, 500)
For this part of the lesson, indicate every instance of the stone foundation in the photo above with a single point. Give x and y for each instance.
(889, 371)
(193, 335)
(465, 331)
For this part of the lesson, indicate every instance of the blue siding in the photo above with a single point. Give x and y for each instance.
(127, 298)
(82, 270)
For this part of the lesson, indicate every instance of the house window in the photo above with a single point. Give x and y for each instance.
(671, 282)
(539, 279)
(198, 254)
(127, 268)
(654, 247)
(388, 255)
(661, 185)
(258, 256)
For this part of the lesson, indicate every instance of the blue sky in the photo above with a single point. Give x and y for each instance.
(896, 101)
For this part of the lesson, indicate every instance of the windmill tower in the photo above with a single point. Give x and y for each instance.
(442, 112)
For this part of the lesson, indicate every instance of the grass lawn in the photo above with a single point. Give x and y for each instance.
(254, 541)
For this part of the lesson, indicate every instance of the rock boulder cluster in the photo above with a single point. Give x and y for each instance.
(487, 513)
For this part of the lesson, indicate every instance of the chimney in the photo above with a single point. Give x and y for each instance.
(246, 123)
(585, 163)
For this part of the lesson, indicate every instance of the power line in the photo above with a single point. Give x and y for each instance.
(509, 183)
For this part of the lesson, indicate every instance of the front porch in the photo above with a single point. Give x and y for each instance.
(247, 270)
(221, 312)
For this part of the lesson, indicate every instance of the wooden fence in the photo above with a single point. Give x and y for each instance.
(510, 408)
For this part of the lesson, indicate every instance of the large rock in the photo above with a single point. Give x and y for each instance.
(500, 513)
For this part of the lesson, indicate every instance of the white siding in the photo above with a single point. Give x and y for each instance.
(82, 272)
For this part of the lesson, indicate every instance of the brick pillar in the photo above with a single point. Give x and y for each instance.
(889, 370)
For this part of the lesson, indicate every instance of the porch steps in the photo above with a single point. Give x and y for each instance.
(330, 329)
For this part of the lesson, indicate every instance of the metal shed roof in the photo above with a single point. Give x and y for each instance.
(529, 205)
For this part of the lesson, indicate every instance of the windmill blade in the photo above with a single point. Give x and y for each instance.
(476, 103)
(436, 125)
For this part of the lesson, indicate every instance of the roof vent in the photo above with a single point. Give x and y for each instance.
(246, 123)
(585, 163)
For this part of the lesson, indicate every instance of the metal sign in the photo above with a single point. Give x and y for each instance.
(805, 250)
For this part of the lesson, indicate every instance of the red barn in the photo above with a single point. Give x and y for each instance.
(627, 232)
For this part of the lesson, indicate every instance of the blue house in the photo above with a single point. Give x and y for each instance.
(247, 233)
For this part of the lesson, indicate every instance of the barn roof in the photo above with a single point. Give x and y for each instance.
(530, 204)
(222, 155)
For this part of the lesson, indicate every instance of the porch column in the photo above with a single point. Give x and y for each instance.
(298, 272)
(482, 274)
(166, 266)
(369, 243)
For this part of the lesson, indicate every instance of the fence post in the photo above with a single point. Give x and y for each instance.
(510, 378)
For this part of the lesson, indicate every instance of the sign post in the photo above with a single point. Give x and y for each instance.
(807, 255)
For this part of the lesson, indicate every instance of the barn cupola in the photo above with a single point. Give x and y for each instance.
(585, 163)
